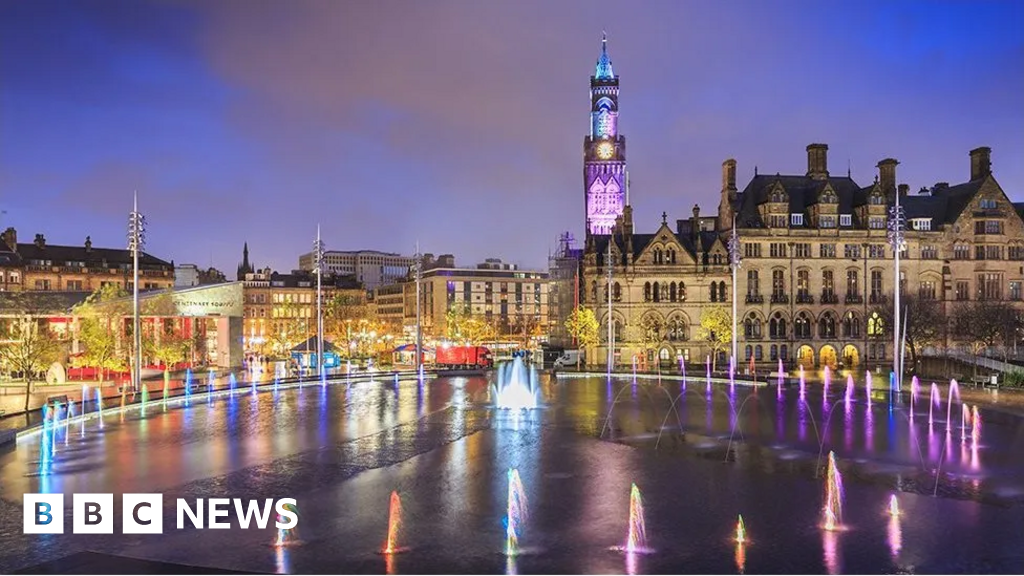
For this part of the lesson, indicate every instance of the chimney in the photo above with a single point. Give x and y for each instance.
(887, 174)
(40, 241)
(88, 244)
(10, 237)
(981, 162)
(695, 222)
(817, 161)
(924, 191)
(729, 176)
(904, 190)
(941, 186)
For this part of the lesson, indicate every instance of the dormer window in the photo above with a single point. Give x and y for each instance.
(796, 219)
(828, 197)
(826, 221)
(921, 223)
(876, 200)
(777, 196)
(846, 220)
(988, 204)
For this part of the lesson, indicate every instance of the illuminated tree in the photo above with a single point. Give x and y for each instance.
(716, 330)
(28, 347)
(100, 325)
(462, 325)
(582, 325)
(923, 323)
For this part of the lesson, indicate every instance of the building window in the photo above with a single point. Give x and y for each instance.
(990, 286)
(681, 293)
(875, 327)
(961, 252)
(802, 327)
(963, 290)
(778, 220)
(1014, 290)
(988, 227)
(778, 284)
(851, 325)
(828, 286)
(777, 250)
(803, 284)
(987, 204)
(826, 221)
(657, 292)
(777, 326)
(753, 283)
(851, 250)
(876, 284)
(921, 223)
(1015, 252)
(845, 220)
(796, 219)
(751, 250)
(926, 290)
(714, 292)
(929, 253)
(752, 327)
(852, 283)
(876, 251)
(802, 250)
(827, 250)
(827, 326)
(876, 222)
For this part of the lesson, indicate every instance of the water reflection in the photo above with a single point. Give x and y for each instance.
(831, 546)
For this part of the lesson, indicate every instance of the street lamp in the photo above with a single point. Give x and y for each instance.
(896, 228)
(136, 242)
(734, 263)
(318, 263)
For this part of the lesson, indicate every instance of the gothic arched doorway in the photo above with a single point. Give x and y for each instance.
(805, 357)
(851, 357)
(828, 356)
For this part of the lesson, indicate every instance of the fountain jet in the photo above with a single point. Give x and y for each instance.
(516, 388)
(516, 513)
(394, 523)
(741, 531)
(828, 380)
(636, 539)
(894, 506)
(833, 496)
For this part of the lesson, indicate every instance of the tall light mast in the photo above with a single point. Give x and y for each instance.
(318, 263)
(611, 323)
(734, 263)
(897, 225)
(419, 330)
(136, 242)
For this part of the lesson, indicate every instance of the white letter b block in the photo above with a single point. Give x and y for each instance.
(93, 514)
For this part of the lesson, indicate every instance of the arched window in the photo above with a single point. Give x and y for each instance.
(749, 350)
(672, 292)
(875, 326)
(773, 353)
(657, 292)
(677, 329)
(647, 291)
(672, 255)
(758, 353)
(802, 326)
(616, 292)
(752, 326)
(827, 326)
(714, 292)
(682, 292)
(593, 291)
(777, 326)
(851, 325)
(784, 352)
(721, 291)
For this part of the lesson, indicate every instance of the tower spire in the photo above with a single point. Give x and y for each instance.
(604, 63)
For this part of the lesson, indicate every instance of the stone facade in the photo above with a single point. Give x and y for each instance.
(816, 265)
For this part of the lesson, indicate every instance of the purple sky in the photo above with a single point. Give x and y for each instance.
(460, 124)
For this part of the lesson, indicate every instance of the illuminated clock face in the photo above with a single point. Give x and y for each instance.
(605, 150)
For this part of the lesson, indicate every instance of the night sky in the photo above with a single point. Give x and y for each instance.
(460, 124)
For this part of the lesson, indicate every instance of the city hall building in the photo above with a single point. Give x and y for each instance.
(816, 269)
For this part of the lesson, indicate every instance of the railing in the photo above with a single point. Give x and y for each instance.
(780, 299)
(878, 299)
(830, 298)
(804, 299)
(854, 299)
(754, 299)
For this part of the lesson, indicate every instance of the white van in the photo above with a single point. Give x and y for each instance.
(568, 359)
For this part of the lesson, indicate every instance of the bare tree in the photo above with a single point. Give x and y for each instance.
(28, 348)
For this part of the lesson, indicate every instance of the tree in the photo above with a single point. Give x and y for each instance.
(462, 325)
(171, 348)
(100, 322)
(290, 329)
(715, 329)
(922, 321)
(985, 323)
(582, 325)
(28, 348)
(342, 311)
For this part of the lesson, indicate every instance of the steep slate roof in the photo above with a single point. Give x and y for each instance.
(42, 302)
(93, 257)
(803, 192)
(641, 241)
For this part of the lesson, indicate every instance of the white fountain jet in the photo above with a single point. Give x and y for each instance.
(516, 388)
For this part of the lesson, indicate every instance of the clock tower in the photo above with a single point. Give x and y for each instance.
(604, 150)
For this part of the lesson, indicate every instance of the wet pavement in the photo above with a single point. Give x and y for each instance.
(699, 458)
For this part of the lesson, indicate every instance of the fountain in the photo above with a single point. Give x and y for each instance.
(965, 421)
(516, 387)
(741, 531)
(894, 505)
(954, 388)
(867, 386)
(210, 379)
(99, 405)
(833, 496)
(232, 382)
(732, 371)
(707, 362)
(517, 513)
(780, 381)
(167, 383)
(288, 536)
(975, 424)
(935, 400)
(827, 381)
(394, 523)
(145, 398)
(849, 388)
(915, 388)
(803, 384)
(636, 538)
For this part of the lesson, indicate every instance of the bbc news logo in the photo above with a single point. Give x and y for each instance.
(144, 513)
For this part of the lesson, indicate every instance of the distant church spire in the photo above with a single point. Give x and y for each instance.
(245, 267)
